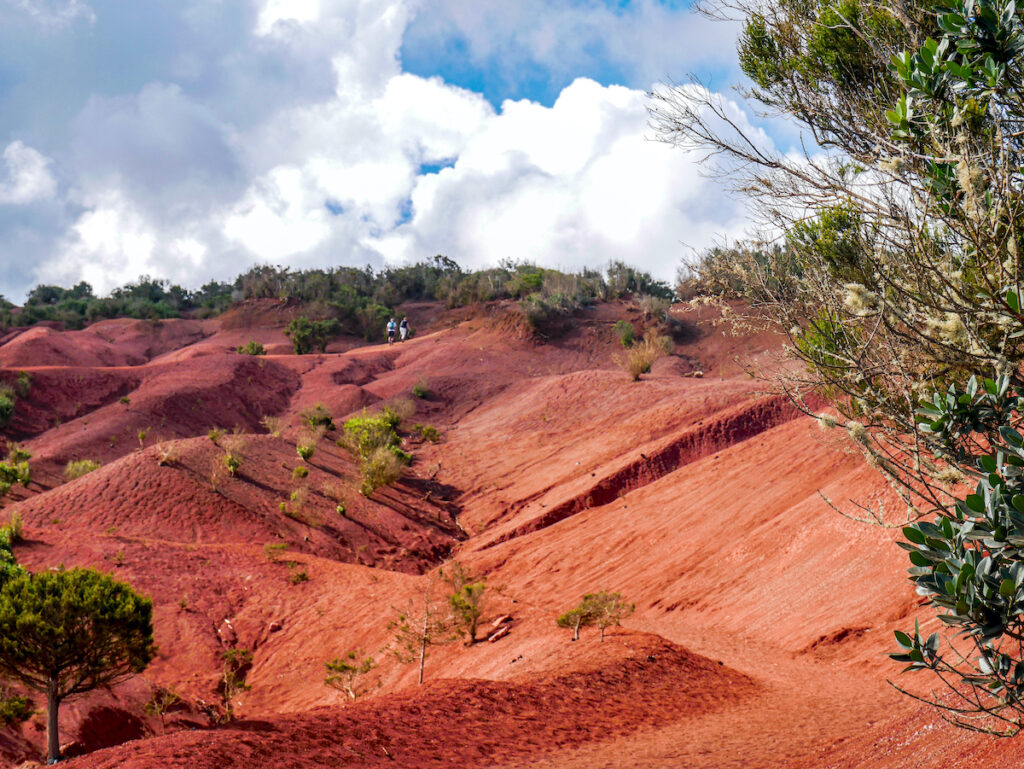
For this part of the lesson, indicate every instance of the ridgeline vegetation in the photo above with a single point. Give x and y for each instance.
(340, 300)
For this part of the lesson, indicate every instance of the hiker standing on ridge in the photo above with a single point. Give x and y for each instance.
(403, 329)
(391, 331)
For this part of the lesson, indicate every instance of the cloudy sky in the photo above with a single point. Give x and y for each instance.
(190, 139)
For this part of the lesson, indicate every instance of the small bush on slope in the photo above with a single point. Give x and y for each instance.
(79, 467)
(624, 330)
(382, 468)
(318, 416)
(6, 406)
(375, 440)
(13, 472)
(13, 707)
(640, 357)
(252, 347)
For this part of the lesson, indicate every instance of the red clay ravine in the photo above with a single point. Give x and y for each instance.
(762, 618)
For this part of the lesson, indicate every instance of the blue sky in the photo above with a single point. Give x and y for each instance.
(189, 139)
(506, 71)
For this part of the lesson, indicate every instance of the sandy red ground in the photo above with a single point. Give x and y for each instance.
(763, 618)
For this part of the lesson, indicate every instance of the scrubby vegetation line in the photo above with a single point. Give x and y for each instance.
(351, 300)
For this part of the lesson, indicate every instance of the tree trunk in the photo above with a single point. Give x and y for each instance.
(52, 736)
(423, 649)
(576, 629)
(602, 633)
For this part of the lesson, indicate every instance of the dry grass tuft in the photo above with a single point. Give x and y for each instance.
(638, 359)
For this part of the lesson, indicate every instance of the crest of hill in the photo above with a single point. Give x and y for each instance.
(119, 342)
(632, 682)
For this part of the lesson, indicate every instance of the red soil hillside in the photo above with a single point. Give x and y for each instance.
(632, 682)
(762, 617)
(123, 342)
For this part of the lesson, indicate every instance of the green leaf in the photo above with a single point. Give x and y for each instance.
(1012, 300)
(1011, 436)
(918, 559)
(914, 535)
(1007, 588)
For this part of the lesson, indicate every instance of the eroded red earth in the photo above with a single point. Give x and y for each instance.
(762, 617)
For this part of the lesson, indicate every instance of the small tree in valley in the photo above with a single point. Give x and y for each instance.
(466, 600)
(235, 665)
(608, 609)
(601, 609)
(420, 625)
(344, 673)
(575, 618)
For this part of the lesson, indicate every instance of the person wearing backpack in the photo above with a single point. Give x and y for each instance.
(391, 331)
(403, 329)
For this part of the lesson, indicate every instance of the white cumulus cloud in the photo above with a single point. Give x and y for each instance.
(54, 13)
(27, 178)
(575, 185)
(385, 167)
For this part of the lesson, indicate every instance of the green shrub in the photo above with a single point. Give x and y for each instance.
(23, 384)
(124, 400)
(252, 347)
(318, 416)
(298, 577)
(15, 528)
(235, 665)
(77, 468)
(232, 462)
(273, 549)
(365, 434)
(420, 389)
(307, 335)
(16, 453)
(602, 609)
(382, 468)
(624, 330)
(305, 451)
(427, 432)
(215, 434)
(6, 406)
(300, 472)
(14, 472)
(343, 673)
(13, 707)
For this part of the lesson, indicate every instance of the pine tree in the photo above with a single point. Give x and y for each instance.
(344, 672)
(67, 632)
